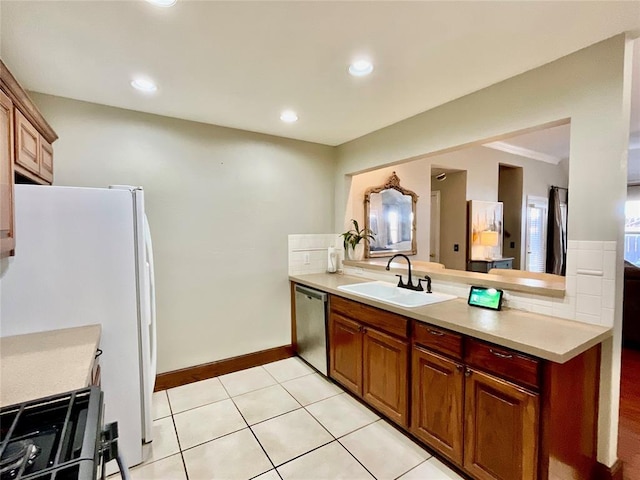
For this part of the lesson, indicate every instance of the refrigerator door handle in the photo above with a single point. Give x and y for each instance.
(152, 299)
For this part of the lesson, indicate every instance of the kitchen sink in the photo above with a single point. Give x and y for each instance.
(389, 293)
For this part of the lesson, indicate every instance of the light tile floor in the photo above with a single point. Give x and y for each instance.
(278, 421)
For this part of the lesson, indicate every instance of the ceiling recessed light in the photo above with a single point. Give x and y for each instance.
(144, 85)
(163, 3)
(360, 68)
(289, 116)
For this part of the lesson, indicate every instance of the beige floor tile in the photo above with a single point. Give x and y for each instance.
(265, 403)
(289, 435)
(289, 368)
(160, 405)
(376, 444)
(432, 469)
(165, 441)
(235, 456)
(206, 423)
(270, 475)
(196, 394)
(326, 463)
(311, 388)
(341, 414)
(247, 380)
(170, 468)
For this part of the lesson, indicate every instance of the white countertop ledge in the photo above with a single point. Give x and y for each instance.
(47, 363)
(546, 337)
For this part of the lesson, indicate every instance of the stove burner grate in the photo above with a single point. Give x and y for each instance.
(55, 438)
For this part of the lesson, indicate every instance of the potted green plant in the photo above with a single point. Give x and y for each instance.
(354, 250)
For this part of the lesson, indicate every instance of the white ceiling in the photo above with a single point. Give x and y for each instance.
(239, 63)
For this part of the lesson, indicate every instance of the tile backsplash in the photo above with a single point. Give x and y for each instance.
(308, 253)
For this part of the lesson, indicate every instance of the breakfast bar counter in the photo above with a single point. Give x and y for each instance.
(546, 337)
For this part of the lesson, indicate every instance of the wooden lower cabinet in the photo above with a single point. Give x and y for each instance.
(345, 352)
(372, 364)
(385, 372)
(437, 402)
(500, 428)
(496, 413)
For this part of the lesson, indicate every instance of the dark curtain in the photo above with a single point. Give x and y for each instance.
(557, 232)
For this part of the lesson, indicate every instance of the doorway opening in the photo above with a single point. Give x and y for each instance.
(448, 240)
(510, 188)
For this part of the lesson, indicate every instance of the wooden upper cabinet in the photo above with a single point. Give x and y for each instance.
(437, 402)
(46, 160)
(32, 135)
(501, 429)
(7, 239)
(27, 144)
(385, 374)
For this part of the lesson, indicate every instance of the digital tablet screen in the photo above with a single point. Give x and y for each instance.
(485, 297)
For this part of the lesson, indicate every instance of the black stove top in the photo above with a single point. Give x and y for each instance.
(54, 438)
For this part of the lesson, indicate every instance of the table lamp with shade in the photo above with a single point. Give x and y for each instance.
(489, 239)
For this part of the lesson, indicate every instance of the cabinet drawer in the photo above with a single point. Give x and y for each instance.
(438, 339)
(504, 264)
(385, 321)
(503, 362)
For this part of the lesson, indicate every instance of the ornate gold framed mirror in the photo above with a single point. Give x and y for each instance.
(390, 213)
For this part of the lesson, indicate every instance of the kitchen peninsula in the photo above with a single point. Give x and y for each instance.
(493, 392)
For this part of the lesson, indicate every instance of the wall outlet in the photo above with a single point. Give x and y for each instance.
(456, 247)
(307, 260)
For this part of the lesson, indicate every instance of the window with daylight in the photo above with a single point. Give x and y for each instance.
(632, 232)
(536, 234)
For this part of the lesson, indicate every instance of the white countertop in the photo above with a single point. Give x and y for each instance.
(46, 363)
(549, 338)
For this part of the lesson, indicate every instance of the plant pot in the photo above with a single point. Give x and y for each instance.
(356, 253)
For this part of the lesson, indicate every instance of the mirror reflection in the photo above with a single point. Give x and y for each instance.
(390, 215)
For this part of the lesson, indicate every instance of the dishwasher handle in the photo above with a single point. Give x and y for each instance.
(311, 293)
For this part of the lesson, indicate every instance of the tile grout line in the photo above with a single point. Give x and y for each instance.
(260, 444)
(305, 453)
(301, 406)
(349, 451)
(175, 429)
(335, 439)
(184, 464)
(251, 430)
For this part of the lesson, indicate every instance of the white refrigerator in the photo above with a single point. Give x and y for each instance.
(84, 256)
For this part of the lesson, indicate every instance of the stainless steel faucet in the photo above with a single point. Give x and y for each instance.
(409, 285)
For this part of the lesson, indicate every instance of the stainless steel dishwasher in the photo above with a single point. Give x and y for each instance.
(311, 322)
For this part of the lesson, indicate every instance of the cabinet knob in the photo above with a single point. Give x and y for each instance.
(467, 372)
(459, 368)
